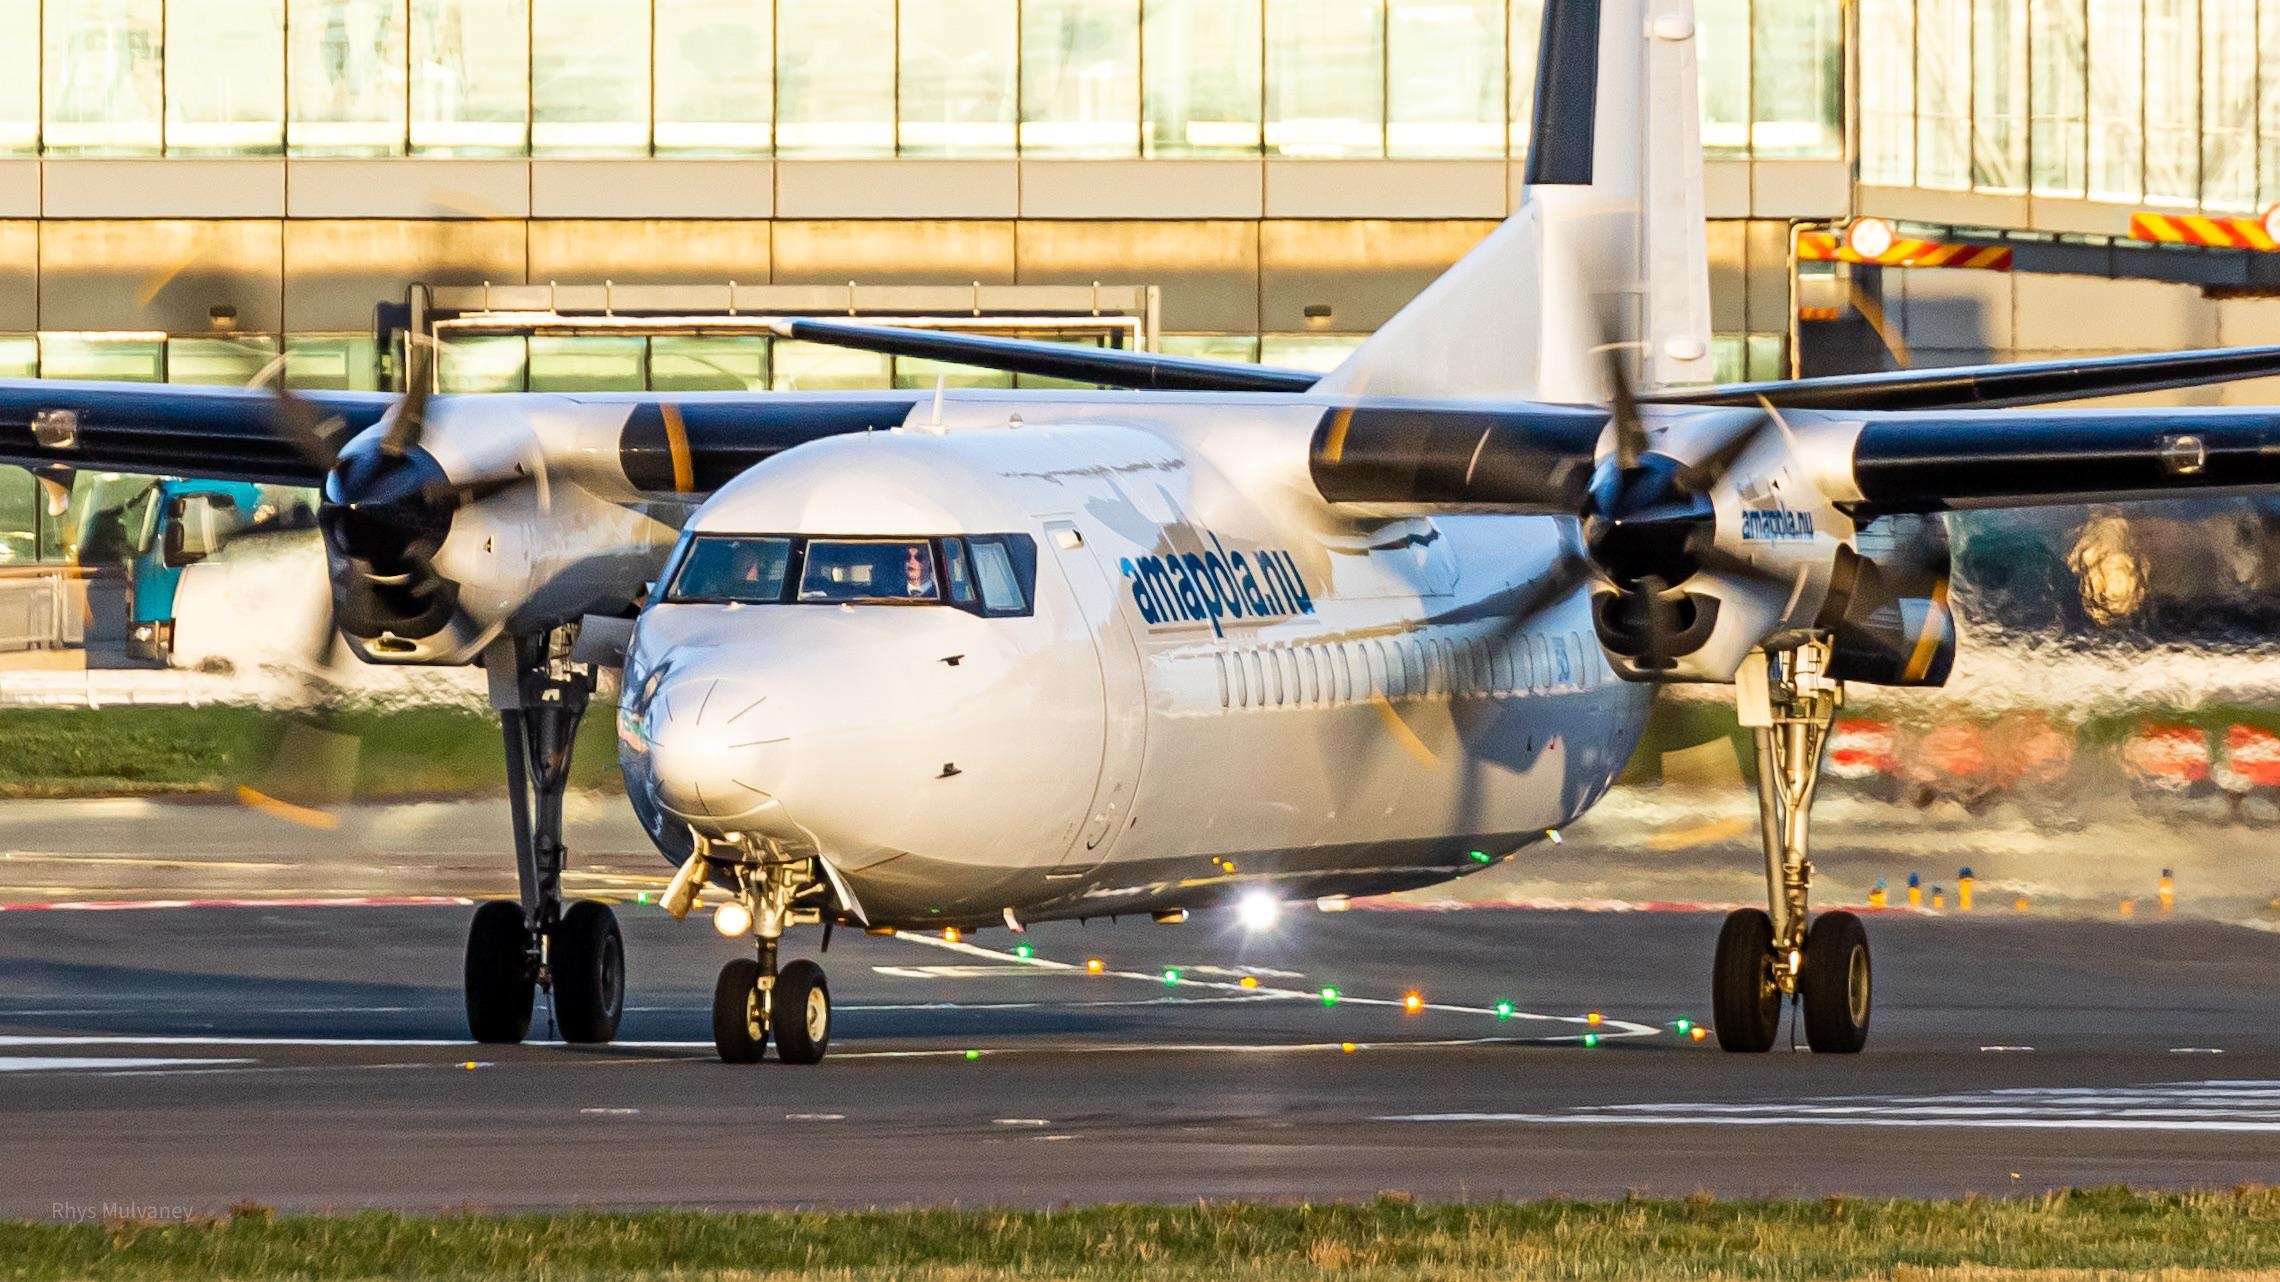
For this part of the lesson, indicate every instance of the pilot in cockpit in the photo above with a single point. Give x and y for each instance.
(918, 574)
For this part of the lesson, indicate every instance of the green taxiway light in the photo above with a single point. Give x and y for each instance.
(1171, 974)
(1590, 1039)
(1024, 951)
(1683, 1025)
(973, 1054)
(1504, 1010)
(641, 898)
(1329, 996)
(1480, 856)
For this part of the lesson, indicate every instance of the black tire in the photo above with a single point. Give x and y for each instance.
(1745, 1004)
(740, 1032)
(1836, 985)
(801, 1013)
(498, 977)
(588, 963)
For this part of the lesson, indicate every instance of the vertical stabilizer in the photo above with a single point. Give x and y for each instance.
(1607, 245)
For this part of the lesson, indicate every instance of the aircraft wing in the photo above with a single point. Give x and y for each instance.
(1957, 387)
(1955, 460)
(223, 433)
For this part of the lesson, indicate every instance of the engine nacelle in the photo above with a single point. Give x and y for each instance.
(1888, 608)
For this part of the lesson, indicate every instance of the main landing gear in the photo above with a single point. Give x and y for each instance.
(516, 948)
(1789, 700)
(754, 1000)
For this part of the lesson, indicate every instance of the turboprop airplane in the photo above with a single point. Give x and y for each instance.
(900, 660)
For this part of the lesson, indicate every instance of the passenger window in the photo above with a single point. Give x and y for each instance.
(1219, 661)
(1310, 674)
(1500, 669)
(1000, 580)
(1341, 676)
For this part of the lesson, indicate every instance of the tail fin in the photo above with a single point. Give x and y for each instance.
(1607, 245)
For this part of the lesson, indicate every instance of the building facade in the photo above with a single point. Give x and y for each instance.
(190, 188)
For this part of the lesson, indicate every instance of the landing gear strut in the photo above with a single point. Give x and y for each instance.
(1789, 700)
(513, 949)
(753, 999)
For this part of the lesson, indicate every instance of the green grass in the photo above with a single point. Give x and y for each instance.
(2116, 1232)
(398, 753)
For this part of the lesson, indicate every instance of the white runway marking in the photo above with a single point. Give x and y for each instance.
(83, 1063)
(2230, 1106)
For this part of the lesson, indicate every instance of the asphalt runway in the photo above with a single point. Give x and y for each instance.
(182, 1060)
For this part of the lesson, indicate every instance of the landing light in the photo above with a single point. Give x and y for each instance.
(732, 919)
(1258, 911)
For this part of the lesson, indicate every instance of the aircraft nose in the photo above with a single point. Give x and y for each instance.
(708, 740)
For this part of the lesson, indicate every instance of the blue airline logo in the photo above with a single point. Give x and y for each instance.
(1777, 525)
(1215, 586)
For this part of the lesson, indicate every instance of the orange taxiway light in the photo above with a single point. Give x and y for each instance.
(1412, 1002)
(952, 934)
(1094, 965)
(1250, 981)
(1348, 1047)
(1595, 1019)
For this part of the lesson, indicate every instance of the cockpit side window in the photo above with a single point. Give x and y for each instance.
(1000, 569)
(732, 568)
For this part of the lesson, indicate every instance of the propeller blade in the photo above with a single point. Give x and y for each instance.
(1521, 604)
(297, 422)
(1707, 471)
(410, 422)
(1630, 433)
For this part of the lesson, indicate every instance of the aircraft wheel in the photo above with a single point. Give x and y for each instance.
(1745, 1003)
(588, 963)
(498, 977)
(740, 1027)
(802, 1013)
(1835, 984)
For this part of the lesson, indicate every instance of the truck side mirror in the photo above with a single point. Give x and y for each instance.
(196, 527)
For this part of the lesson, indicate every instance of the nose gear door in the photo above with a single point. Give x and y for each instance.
(1125, 694)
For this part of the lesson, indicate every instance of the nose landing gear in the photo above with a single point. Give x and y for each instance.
(754, 1001)
(1789, 701)
(515, 948)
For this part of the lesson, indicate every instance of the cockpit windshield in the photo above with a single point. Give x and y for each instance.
(723, 567)
(869, 570)
(986, 574)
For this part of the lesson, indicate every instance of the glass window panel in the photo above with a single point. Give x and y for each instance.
(589, 77)
(19, 79)
(2058, 139)
(705, 364)
(1326, 77)
(2268, 132)
(470, 77)
(813, 367)
(1768, 358)
(835, 78)
(1888, 91)
(1527, 35)
(19, 356)
(225, 77)
(956, 94)
(1728, 358)
(125, 358)
(1080, 77)
(715, 95)
(1199, 65)
(1321, 352)
(913, 374)
(1211, 347)
(19, 517)
(332, 362)
(490, 364)
(1797, 65)
(2228, 105)
(588, 364)
(1444, 92)
(1943, 93)
(2117, 99)
(345, 77)
(1999, 96)
(102, 77)
(1724, 54)
(219, 362)
(2172, 102)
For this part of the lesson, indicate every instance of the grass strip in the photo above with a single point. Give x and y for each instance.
(2107, 1232)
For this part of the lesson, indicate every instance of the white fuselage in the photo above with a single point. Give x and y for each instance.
(1220, 680)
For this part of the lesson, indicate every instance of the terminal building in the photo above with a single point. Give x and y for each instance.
(607, 193)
